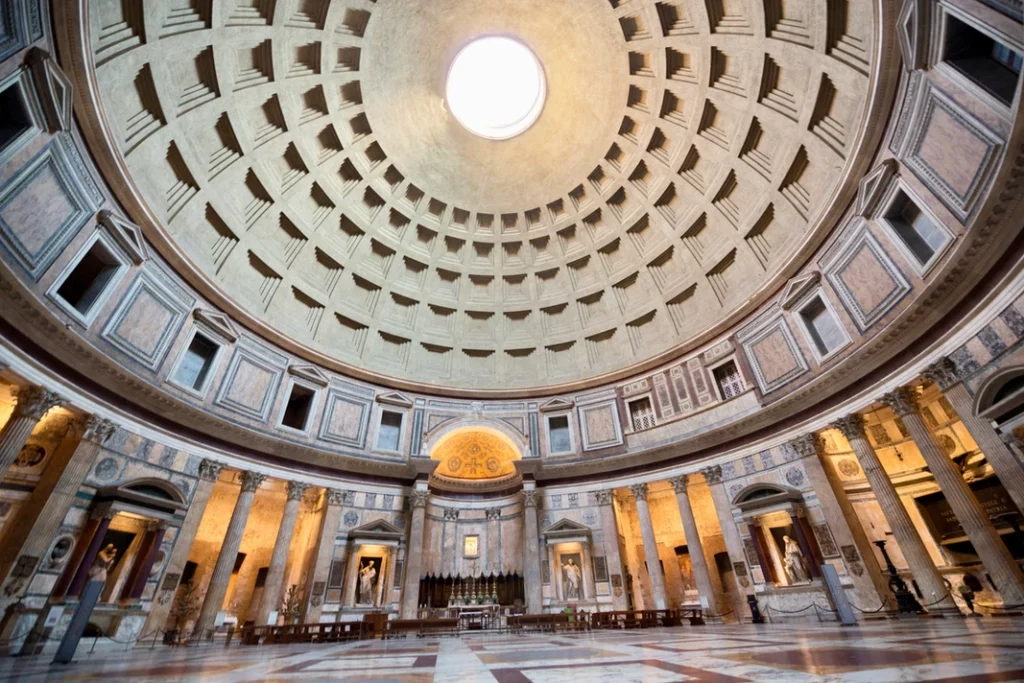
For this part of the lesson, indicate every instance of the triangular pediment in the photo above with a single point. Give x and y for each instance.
(56, 89)
(309, 373)
(907, 29)
(797, 287)
(556, 404)
(873, 187)
(127, 235)
(566, 527)
(394, 398)
(379, 529)
(217, 322)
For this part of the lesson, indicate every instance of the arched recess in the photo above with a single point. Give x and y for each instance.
(1001, 396)
(476, 450)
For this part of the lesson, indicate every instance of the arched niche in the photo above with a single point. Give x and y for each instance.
(475, 454)
(1001, 397)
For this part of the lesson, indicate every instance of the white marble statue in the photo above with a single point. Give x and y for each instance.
(571, 572)
(367, 580)
(796, 569)
(104, 563)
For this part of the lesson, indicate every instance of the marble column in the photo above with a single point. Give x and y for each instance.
(414, 554)
(531, 553)
(92, 549)
(757, 535)
(1005, 464)
(493, 564)
(869, 586)
(698, 561)
(218, 587)
(273, 587)
(610, 531)
(914, 552)
(730, 534)
(29, 535)
(654, 572)
(316, 582)
(32, 403)
(999, 563)
(139, 576)
(182, 546)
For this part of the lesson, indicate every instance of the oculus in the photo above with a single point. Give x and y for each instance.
(495, 87)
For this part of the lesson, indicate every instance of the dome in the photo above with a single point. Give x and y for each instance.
(307, 173)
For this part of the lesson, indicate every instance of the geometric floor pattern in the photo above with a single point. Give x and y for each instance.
(948, 650)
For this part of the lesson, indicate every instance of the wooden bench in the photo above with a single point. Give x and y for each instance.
(578, 621)
(334, 632)
(421, 627)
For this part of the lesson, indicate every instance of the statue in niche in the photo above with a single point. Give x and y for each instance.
(104, 563)
(572, 575)
(796, 569)
(367, 583)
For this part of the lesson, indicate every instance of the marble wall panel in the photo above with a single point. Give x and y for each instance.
(773, 354)
(251, 381)
(867, 281)
(44, 205)
(148, 318)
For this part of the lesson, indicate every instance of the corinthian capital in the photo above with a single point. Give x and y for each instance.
(98, 430)
(209, 470)
(335, 497)
(639, 491)
(903, 401)
(679, 483)
(252, 480)
(604, 496)
(807, 445)
(33, 402)
(296, 489)
(852, 426)
(713, 474)
(530, 498)
(419, 499)
(942, 372)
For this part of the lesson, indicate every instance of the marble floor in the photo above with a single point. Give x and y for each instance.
(964, 651)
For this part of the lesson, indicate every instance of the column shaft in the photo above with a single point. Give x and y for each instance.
(414, 556)
(869, 586)
(29, 535)
(272, 587)
(999, 563)
(32, 404)
(730, 534)
(1005, 464)
(610, 531)
(218, 587)
(78, 579)
(531, 554)
(183, 539)
(701, 574)
(925, 574)
(316, 584)
(654, 572)
(493, 564)
(136, 584)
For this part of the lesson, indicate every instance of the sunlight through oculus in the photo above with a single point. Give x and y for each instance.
(496, 88)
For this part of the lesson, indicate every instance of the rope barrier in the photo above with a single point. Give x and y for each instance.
(944, 596)
(783, 611)
(885, 601)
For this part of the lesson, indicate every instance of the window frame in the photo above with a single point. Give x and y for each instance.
(401, 430)
(123, 264)
(286, 396)
(213, 338)
(940, 32)
(649, 395)
(797, 312)
(888, 201)
(567, 414)
(747, 386)
(22, 80)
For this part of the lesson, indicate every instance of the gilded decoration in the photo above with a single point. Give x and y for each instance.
(475, 453)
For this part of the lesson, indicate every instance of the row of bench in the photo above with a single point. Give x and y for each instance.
(378, 624)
